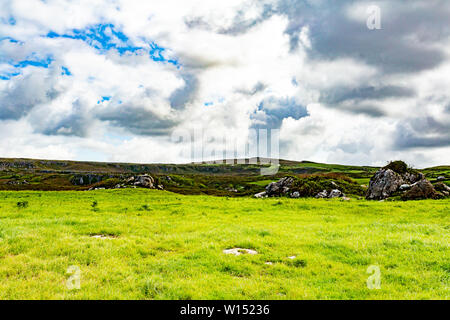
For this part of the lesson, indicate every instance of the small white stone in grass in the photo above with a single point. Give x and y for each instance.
(239, 251)
(101, 236)
(269, 263)
(292, 257)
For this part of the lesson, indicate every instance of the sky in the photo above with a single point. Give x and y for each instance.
(124, 80)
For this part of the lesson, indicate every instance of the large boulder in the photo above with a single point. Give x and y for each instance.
(384, 183)
(144, 181)
(387, 181)
(421, 190)
(281, 187)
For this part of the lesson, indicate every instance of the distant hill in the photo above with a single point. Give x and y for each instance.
(213, 177)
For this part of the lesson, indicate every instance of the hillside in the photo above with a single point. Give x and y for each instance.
(195, 178)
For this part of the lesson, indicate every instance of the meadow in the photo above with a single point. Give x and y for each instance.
(149, 244)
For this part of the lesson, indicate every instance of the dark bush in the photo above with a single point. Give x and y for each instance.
(22, 204)
(309, 186)
(397, 166)
(107, 184)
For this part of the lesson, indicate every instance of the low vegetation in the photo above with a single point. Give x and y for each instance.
(311, 185)
(236, 180)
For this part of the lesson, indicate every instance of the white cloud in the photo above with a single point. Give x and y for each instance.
(230, 57)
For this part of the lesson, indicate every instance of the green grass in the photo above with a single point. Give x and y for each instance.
(262, 183)
(163, 245)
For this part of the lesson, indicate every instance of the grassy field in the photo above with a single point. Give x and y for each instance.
(161, 245)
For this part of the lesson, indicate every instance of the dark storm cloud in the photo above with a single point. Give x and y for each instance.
(24, 94)
(77, 123)
(401, 46)
(338, 95)
(137, 120)
(361, 108)
(256, 88)
(363, 100)
(183, 95)
(422, 132)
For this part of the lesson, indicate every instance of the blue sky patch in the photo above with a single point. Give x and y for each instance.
(11, 21)
(31, 60)
(104, 98)
(43, 63)
(105, 37)
(65, 71)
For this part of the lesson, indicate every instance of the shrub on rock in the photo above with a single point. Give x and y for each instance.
(421, 190)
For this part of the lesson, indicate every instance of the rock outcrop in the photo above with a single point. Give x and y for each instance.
(280, 187)
(335, 193)
(386, 182)
(143, 181)
(295, 187)
(276, 189)
(396, 179)
(139, 181)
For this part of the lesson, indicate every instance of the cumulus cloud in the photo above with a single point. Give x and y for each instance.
(104, 80)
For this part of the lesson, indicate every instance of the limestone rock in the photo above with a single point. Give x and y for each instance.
(295, 194)
(323, 194)
(280, 187)
(386, 181)
(335, 193)
(261, 195)
(144, 181)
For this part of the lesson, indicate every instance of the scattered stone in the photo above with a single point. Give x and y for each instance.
(269, 263)
(335, 193)
(292, 257)
(239, 251)
(295, 194)
(102, 236)
(440, 178)
(261, 195)
(323, 194)
(13, 182)
(345, 199)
